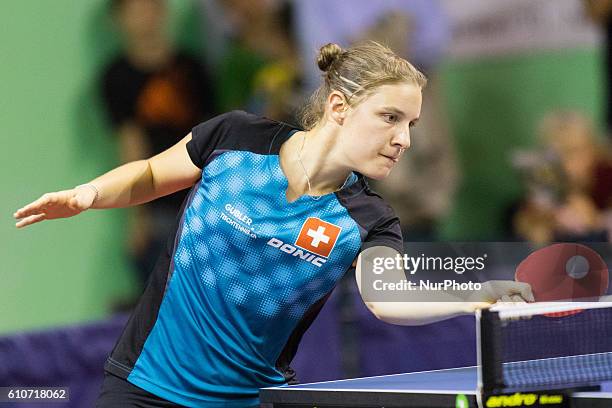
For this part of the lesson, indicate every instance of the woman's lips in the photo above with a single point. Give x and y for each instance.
(394, 159)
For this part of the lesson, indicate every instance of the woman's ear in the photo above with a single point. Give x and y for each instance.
(338, 106)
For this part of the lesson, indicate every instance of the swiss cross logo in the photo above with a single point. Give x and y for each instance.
(318, 236)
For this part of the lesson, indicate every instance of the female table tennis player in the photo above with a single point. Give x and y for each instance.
(275, 216)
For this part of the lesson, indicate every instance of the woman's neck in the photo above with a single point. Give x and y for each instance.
(310, 162)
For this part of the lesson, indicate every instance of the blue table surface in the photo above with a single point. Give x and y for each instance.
(454, 380)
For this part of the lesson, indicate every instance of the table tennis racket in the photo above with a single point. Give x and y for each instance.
(564, 272)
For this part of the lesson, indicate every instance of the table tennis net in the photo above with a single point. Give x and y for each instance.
(547, 347)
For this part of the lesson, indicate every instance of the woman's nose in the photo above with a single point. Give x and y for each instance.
(403, 138)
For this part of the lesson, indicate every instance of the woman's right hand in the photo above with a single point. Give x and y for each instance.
(505, 291)
(60, 204)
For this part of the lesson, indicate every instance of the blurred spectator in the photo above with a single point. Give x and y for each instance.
(257, 66)
(569, 183)
(154, 94)
(421, 187)
(601, 12)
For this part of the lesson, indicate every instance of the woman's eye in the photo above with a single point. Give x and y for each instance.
(412, 124)
(390, 117)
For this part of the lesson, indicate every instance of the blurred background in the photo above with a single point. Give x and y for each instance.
(513, 144)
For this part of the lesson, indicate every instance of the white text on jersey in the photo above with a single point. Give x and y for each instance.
(291, 250)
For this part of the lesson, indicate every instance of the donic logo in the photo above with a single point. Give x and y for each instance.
(314, 244)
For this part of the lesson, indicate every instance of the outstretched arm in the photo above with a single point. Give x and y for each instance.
(128, 185)
(412, 311)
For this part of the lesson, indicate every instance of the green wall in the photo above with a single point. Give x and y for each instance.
(53, 137)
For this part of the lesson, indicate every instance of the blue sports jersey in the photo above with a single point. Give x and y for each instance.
(246, 271)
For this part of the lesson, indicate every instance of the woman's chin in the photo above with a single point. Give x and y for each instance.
(377, 174)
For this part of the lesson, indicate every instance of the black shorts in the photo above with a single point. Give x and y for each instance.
(119, 393)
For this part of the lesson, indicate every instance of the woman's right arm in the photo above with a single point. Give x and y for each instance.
(419, 307)
(133, 183)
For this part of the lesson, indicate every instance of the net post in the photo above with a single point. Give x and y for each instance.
(490, 352)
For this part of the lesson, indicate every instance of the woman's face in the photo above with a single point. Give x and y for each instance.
(376, 132)
(141, 18)
(575, 145)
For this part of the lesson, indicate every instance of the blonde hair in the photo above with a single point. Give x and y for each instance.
(356, 72)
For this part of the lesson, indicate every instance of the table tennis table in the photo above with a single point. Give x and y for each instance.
(455, 387)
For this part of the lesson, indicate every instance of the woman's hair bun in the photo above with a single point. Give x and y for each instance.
(327, 55)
